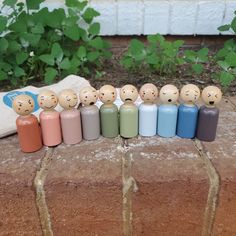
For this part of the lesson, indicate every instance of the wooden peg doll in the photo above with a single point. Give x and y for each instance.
(208, 114)
(28, 129)
(148, 110)
(128, 112)
(109, 112)
(49, 118)
(168, 111)
(89, 113)
(70, 117)
(188, 111)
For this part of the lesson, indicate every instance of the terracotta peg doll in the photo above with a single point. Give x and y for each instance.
(49, 118)
(109, 112)
(28, 129)
(148, 110)
(168, 111)
(89, 113)
(208, 114)
(128, 112)
(70, 117)
(188, 111)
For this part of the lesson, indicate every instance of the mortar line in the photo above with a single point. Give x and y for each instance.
(41, 204)
(214, 189)
(129, 185)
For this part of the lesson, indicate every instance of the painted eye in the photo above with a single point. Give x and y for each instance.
(216, 96)
(132, 91)
(86, 96)
(144, 93)
(123, 91)
(95, 96)
(164, 93)
(20, 105)
(175, 93)
(102, 94)
(29, 102)
(209, 94)
(113, 93)
(187, 94)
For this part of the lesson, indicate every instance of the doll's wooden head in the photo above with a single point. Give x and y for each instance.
(68, 99)
(211, 95)
(128, 93)
(47, 100)
(107, 94)
(189, 94)
(169, 94)
(23, 105)
(148, 93)
(88, 96)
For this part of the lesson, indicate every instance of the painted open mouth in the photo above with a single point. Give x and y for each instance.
(169, 100)
(128, 99)
(108, 100)
(49, 107)
(211, 102)
(26, 110)
(91, 103)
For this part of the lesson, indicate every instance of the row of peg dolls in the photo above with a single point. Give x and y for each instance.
(167, 120)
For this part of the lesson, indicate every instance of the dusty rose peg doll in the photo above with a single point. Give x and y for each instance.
(168, 111)
(208, 114)
(49, 118)
(28, 129)
(70, 117)
(188, 111)
(108, 112)
(148, 110)
(128, 112)
(89, 113)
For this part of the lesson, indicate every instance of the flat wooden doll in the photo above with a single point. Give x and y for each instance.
(109, 112)
(148, 110)
(49, 118)
(128, 112)
(209, 114)
(70, 117)
(188, 111)
(28, 129)
(89, 113)
(168, 111)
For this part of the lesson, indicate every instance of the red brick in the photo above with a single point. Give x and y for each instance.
(18, 215)
(173, 187)
(84, 189)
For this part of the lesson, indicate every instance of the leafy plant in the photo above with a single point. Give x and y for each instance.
(196, 59)
(38, 43)
(159, 55)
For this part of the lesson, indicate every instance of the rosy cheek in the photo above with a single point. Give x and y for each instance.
(55, 102)
(41, 103)
(113, 96)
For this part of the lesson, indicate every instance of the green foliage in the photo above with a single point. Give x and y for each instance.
(159, 55)
(196, 59)
(42, 44)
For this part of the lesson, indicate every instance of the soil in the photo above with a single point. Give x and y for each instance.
(113, 73)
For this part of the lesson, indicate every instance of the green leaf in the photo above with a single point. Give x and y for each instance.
(3, 23)
(21, 57)
(3, 44)
(72, 32)
(48, 59)
(226, 78)
(92, 56)
(233, 25)
(224, 65)
(57, 52)
(50, 75)
(14, 46)
(136, 46)
(190, 55)
(94, 29)
(65, 64)
(38, 29)
(178, 43)
(18, 71)
(55, 18)
(197, 68)
(231, 59)
(33, 4)
(203, 55)
(9, 3)
(224, 28)
(3, 75)
(155, 38)
(97, 43)
(89, 14)
(127, 62)
(152, 59)
(76, 4)
(81, 52)
(32, 39)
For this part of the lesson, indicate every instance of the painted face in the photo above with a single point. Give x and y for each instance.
(148, 92)
(23, 105)
(128, 93)
(88, 96)
(68, 99)
(190, 93)
(169, 94)
(47, 100)
(211, 95)
(107, 94)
